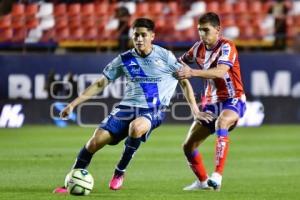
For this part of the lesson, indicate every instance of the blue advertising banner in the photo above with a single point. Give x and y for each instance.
(273, 79)
(271, 74)
(22, 76)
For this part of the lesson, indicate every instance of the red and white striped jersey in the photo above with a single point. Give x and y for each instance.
(224, 52)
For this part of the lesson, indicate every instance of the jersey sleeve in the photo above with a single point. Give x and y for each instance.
(173, 62)
(114, 70)
(228, 54)
(190, 55)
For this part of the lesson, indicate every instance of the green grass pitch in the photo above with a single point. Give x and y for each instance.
(263, 163)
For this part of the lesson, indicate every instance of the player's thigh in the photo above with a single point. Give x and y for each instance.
(196, 135)
(139, 127)
(227, 119)
(99, 139)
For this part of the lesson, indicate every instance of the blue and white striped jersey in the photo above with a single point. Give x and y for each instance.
(150, 80)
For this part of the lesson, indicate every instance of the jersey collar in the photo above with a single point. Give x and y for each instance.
(215, 45)
(145, 55)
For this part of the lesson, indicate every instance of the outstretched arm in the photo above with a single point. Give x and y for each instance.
(89, 92)
(186, 72)
(190, 97)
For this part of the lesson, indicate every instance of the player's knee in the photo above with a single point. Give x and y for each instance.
(188, 147)
(92, 145)
(96, 142)
(135, 129)
(185, 148)
(223, 123)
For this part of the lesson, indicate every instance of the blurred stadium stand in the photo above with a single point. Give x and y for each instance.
(93, 25)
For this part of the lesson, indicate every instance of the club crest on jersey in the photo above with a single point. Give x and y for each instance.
(159, 62)
(225, 50)
(147, 62)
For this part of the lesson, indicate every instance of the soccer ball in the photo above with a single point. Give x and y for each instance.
(79, 182)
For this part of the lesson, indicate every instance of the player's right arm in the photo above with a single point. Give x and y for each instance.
(95, 88)
(111, 72)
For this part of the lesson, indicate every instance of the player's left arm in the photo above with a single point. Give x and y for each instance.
(190, 97)
(95, 88)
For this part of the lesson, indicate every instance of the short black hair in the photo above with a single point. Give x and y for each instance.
(211, 18)
(144, 22)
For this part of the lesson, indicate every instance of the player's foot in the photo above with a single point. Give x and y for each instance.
(197, 185)
(215, 181)
(60, 190)
(116, 182)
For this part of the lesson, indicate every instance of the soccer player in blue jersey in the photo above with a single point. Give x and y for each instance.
(149, 71)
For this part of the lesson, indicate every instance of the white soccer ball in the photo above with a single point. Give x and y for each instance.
(79, 182)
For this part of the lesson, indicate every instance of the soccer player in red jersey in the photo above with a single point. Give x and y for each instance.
(217, 59)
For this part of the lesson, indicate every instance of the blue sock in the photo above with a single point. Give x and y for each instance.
(131, 145)
(83, 159)
(222, 132)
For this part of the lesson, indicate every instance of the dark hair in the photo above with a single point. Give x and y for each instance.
(144, 22)
(211, 18)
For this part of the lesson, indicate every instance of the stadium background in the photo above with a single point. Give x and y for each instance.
(43, 40)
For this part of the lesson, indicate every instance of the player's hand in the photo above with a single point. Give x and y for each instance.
(64, 114)
(203, 116)
(184, 72)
